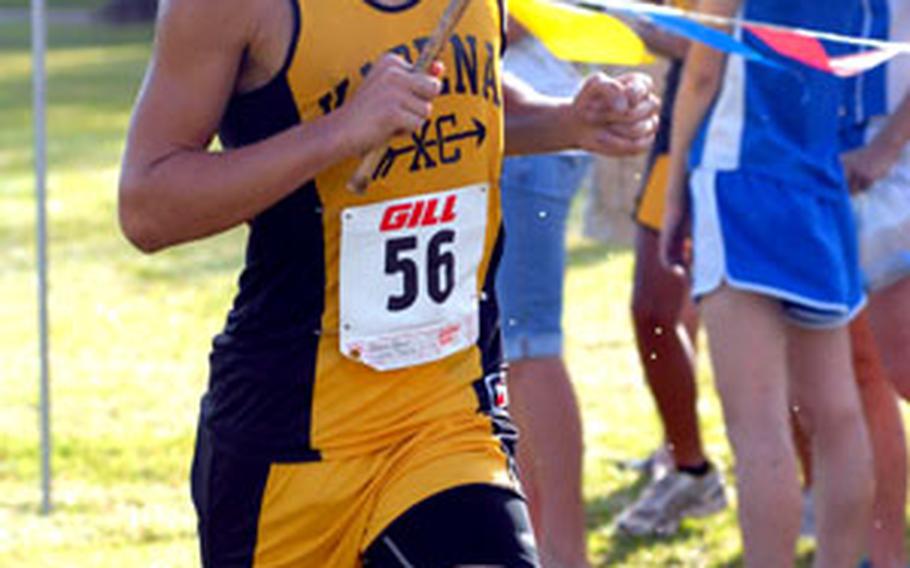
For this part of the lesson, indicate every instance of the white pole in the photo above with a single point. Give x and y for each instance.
(39, 84)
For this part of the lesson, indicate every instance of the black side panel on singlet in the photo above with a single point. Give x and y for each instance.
(263, 364)
(490, 340)
(671, 88)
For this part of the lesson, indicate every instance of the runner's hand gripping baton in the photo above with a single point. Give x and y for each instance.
(450, 18)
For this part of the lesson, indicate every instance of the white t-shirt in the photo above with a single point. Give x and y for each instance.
(531, 62)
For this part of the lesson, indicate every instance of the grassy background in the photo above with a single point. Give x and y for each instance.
(55, 4)
(130, 337)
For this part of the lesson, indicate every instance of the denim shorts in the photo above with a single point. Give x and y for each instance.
(536, 195)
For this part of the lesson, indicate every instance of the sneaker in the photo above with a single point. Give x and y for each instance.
(671, 498)
(656, 465)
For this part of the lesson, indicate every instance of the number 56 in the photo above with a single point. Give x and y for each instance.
(440, 268)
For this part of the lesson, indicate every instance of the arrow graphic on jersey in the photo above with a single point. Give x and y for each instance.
(434, 144)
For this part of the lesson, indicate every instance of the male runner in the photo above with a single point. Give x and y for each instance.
(355, 410)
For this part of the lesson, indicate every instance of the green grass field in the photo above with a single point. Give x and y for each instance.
(130, 335)
(55, 4)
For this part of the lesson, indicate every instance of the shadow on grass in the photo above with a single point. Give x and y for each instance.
(803, 560)
(621, 550)
(623, 547)
(20, 502)
(601, 517)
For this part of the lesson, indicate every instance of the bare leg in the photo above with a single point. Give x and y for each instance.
(889, 313)
(543, 406)
(886, 429)
(748, 351)
(825, 388)
(665, 347)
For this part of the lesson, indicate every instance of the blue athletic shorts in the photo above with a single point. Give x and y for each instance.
(764, 235)
(536, 195)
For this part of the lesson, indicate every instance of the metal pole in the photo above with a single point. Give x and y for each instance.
(39, 84)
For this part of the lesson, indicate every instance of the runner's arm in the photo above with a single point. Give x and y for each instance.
(608, 116)
(865, 166)
(174, 189)
(701, 81)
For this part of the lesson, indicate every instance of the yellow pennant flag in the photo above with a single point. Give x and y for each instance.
(580, 35)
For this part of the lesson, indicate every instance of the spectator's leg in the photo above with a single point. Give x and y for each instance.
(824, 386)
(747, 335)
(886, 431)
(889, 314)
(665, 347)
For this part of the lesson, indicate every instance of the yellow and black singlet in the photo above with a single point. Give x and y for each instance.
(361, 318)
(648, 210)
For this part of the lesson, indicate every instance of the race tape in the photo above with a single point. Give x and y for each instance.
(569, 29)
(797, 44)
(580, 35)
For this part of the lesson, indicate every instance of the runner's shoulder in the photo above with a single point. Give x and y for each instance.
(214, 23)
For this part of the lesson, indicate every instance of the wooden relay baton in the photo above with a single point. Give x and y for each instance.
(450, 18)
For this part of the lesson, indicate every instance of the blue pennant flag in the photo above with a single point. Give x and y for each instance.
(701, 33)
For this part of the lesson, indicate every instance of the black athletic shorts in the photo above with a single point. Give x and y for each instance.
(471, 525)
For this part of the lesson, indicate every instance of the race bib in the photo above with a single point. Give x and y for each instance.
(409, 284)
